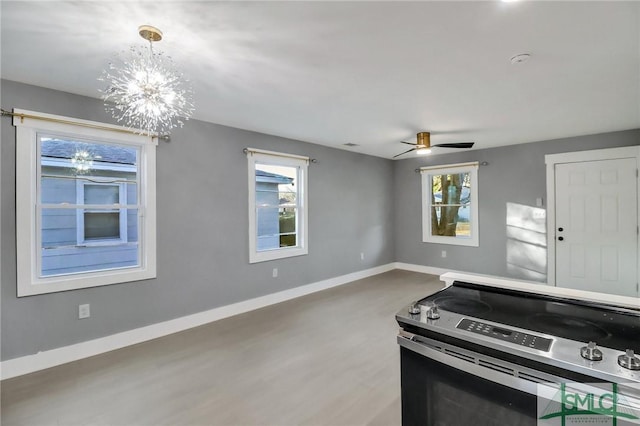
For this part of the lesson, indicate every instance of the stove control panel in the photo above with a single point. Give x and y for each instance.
(500, 333)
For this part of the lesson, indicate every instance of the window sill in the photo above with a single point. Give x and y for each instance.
(79, 281)
(469, 242)
(280, 253)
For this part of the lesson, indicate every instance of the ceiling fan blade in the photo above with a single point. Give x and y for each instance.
(412, 149)
(409, 143)
(455, 145)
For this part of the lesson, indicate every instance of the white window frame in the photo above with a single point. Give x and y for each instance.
(426, 173)
(80, 215)
(28, 201)
(256, 156)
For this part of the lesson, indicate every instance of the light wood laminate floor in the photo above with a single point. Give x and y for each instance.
(329, 358)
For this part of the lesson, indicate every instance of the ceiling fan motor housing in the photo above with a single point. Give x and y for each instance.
(424, 138)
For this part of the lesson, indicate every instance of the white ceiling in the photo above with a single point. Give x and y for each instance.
(370, 73)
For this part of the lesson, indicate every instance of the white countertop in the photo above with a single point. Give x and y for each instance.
(541, 288)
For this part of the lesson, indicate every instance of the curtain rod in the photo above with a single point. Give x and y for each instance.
(22, 116)
(278, 154)
(452, 166)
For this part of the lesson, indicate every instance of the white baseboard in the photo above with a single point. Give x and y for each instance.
(422, 268)
(30, 363)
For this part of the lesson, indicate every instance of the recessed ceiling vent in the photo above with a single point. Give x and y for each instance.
(518, 59)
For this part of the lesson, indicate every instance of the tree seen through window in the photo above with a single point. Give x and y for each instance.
(450, 204)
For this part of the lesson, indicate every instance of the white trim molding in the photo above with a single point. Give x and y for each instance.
(431, 270)
(46, 359)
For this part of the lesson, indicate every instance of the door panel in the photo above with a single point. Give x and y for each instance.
(577, 212)
(596, 208)
(577, 261)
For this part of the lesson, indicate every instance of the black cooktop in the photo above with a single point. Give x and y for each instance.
(616, 328)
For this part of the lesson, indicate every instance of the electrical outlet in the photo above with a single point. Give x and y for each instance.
(84, 311)
(444, 253)
(275, 272)
(361, 256)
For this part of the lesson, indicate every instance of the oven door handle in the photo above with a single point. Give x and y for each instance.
(502, 372)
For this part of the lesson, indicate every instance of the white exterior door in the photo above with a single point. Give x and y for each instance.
(596, 226)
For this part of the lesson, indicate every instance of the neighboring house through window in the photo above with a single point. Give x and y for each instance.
(277, 205)
(450, 204)
(100, 224)
(85, 204)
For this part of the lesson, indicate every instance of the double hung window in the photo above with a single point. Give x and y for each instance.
(277, 205)
(85, 203)
(450, 204)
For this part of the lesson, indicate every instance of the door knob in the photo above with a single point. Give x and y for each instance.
(560, 238)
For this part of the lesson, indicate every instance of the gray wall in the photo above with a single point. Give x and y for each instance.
(514, 175)
(357, 204)
(202, 230)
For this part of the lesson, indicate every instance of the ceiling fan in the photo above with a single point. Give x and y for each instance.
(423, 144)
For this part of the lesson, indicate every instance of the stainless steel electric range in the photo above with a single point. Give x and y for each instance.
(473, 354)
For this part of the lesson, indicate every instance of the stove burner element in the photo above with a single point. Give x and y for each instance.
(462, 306)
(579, 329)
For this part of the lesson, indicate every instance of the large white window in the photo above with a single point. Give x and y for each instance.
(277, 205)
(450, 204)
(85, 204)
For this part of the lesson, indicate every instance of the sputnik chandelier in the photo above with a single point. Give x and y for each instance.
(145, 92)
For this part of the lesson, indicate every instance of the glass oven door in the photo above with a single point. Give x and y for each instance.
(443, 385)
(434, 394)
